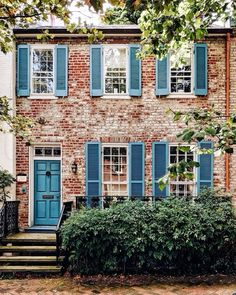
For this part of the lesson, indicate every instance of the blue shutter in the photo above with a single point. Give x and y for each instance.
(205, 171)
(134, 71)
(23, 70)
(61, 69)
(200, 69)
(96, 70)
(136, 169)
(162, 76)
(159, 166)
(93, 173)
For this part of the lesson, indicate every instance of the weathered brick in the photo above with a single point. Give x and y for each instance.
(78, 118)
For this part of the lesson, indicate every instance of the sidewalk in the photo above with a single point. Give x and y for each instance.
(67, 286)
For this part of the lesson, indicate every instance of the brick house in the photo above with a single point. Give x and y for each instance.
(102, 127)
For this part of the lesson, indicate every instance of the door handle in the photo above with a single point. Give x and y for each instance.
(48, 173)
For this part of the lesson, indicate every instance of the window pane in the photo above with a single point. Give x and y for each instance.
(106, 151)
(173, 149)
(48, 151)
(38, 151)
(57, 151)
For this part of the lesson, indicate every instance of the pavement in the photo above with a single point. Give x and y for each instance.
(67, 286)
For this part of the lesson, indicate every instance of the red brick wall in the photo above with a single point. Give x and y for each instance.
(78, 118)
(233, 110)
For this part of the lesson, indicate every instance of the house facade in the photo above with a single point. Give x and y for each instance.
(7, 141)
(102, 128)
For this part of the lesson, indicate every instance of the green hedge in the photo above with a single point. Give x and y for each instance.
(172, 236)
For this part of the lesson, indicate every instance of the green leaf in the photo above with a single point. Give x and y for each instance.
(210, 130)
(187, 136)
(184, 149)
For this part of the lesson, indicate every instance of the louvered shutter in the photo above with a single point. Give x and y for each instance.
(93, 172)
(162, 76)
(205, 171)
(61, 69)
(23, 70)
(159, 166)
(134, 71)
(200, 69)
(96, 70)
(136, 169)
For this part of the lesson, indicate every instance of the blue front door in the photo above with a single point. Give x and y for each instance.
(47, 192)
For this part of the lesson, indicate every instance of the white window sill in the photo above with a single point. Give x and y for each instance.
(182, 95)
(42, 97)
(116, 97)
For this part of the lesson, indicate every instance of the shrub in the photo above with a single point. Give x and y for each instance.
(173, 235)
(6, 180)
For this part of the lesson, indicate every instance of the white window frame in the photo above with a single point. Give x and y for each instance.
(118, 95)
(192, 76)
(119, 145)
(47, 156)
(194, 181)
(42, 95)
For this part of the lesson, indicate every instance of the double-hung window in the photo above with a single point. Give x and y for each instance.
(115, 170)
(115, 70)
(179, 186)
(42, 70)
(165, 153)
(183, 72)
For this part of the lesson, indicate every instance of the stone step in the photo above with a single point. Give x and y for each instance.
(28, 249)
(30, 238)
(30, 260)
(30, 268)
(41, 229)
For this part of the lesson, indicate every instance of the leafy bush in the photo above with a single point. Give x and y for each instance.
(6, 180)
(173, 235)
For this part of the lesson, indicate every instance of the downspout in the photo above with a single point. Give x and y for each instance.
(227, 108)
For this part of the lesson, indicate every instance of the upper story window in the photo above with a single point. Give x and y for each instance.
(184, 72)
(42, 65)
(42, 70)
(115, 70)
(181, 72)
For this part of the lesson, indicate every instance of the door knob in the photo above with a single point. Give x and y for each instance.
(48, 173)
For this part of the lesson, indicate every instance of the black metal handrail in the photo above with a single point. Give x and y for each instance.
(64, 214)
(106, 201)
(9, 218)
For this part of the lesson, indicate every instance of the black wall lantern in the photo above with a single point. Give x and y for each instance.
(74, 167)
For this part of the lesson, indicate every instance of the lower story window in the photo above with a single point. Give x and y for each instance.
(115, 170)
(178, 186)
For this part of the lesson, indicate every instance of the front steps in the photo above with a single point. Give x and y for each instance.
(30, 253)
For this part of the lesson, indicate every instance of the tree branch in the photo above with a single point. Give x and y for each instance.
(20, 16)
